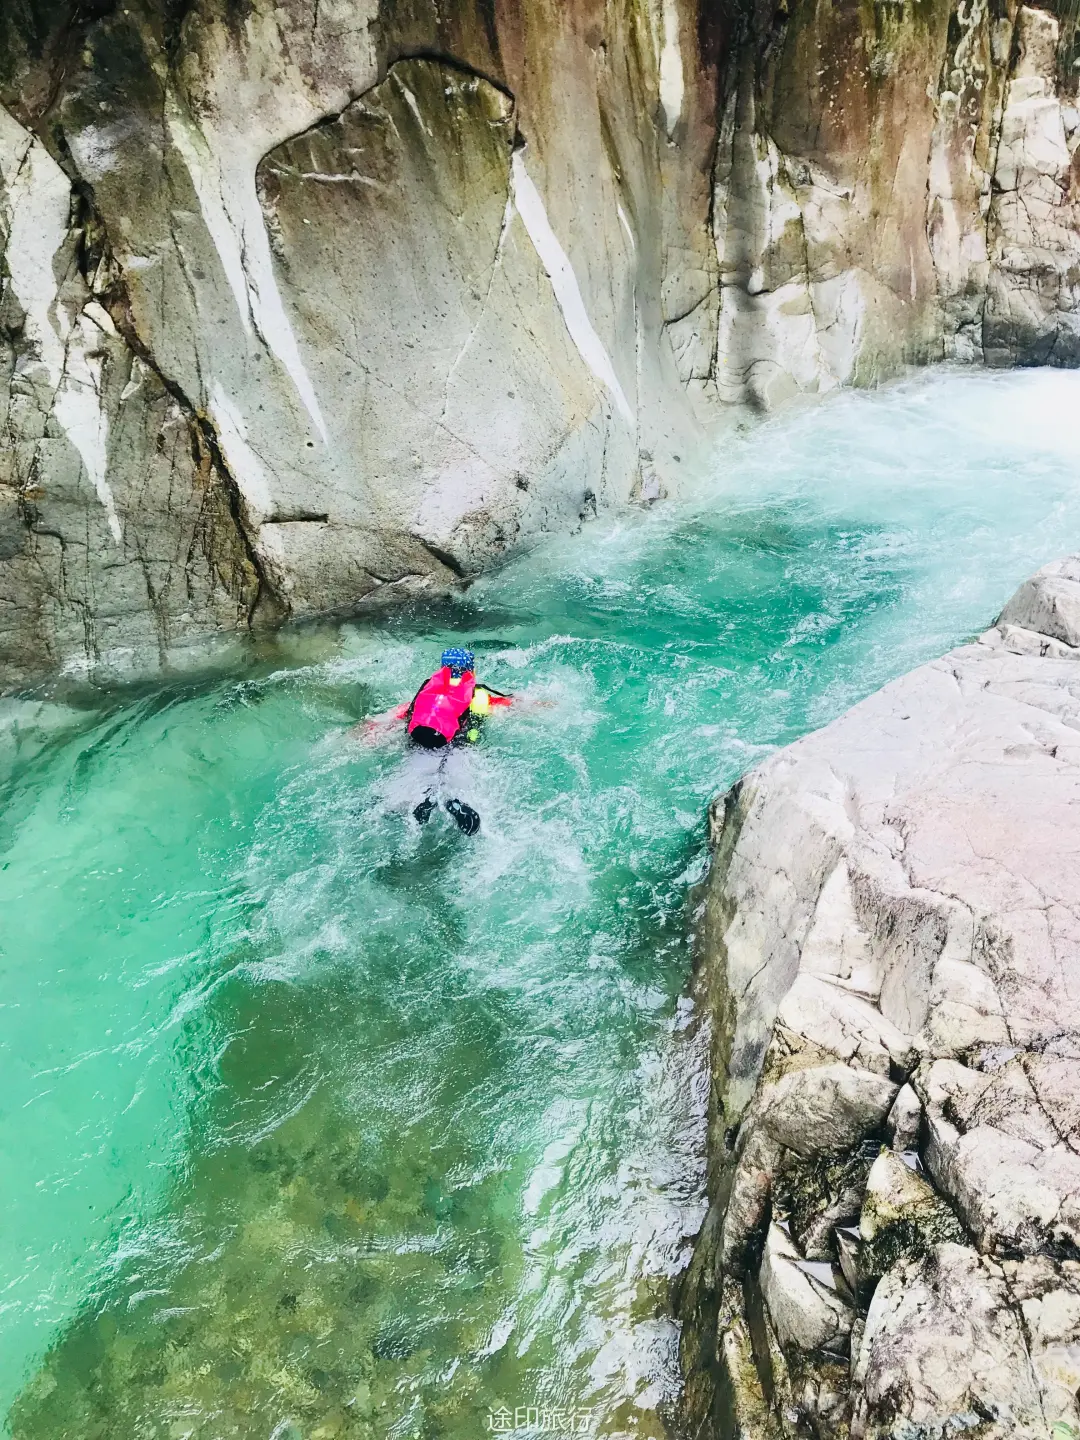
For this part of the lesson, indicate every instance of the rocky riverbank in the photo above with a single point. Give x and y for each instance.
(890, 961)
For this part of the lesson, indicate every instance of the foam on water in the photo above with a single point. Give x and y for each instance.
(318, 1124)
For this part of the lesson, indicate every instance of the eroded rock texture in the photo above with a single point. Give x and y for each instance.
(310, 304)
(893, 182)
(890, 937)
(316, 303)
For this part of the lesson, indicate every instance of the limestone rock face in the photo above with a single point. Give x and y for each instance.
(945, 1346)
(294, 321)
(309, 305)
(423, 168)
(894, 901)
(117, 532)
(1033, 301)
(826, 270)
(891, 184)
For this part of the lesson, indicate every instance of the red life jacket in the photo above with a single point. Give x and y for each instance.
(439, 705)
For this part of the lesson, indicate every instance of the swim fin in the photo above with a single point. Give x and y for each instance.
(422, 813)
(468, 821)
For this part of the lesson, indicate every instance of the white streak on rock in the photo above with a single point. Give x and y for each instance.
(672, 85)
(564, 283)
(78, 409)
(353, 178)
(625, 223)
(200, 163)
(246, 467)
(267, 308)
(38, 200)
(410, 100)
(504, 230)
(37, 197)
(233, 216)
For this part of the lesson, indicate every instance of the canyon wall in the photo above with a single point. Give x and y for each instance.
(308, 306)
(888, 944)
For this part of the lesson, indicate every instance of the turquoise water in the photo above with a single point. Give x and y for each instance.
(315, 1124)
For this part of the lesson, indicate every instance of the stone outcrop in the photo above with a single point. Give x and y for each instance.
(893, 182)
(314, 304)
(309, 305)
(889, 942)
(1032, 308)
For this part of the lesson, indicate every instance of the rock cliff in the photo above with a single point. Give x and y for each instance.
(889, 940)
(310, 304)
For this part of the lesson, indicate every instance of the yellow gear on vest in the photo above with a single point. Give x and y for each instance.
(481, 702)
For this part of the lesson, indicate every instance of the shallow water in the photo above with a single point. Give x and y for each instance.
(317, 1124)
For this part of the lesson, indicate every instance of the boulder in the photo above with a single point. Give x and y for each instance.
(1048, 604)
(996, 1147)
(823, 1108)
(944, 1348)
(902, 1217)
(806, 1310)
(888, 943)
(905, 1120)
(895, 1193)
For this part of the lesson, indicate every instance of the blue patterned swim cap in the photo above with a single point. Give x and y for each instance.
(459, 660)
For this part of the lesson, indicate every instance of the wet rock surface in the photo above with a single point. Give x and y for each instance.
(310, 306)
(888, 937)
(402, 314)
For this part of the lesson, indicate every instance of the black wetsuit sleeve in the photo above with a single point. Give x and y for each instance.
(412, 702)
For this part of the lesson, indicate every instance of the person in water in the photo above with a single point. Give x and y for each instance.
(448, 710)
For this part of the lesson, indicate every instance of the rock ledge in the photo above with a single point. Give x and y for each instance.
(890, 946)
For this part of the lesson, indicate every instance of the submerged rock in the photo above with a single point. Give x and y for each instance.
(887, 943)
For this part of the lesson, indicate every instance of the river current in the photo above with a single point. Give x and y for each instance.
(318, 1124)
